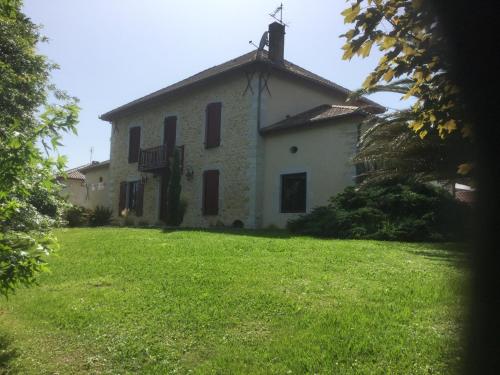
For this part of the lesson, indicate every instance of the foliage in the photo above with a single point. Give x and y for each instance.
(246, 302)
(389, 210)
(388, 149)
(175, 208)
(100, 216)
(76, 216)
(29, 206)
(415, 63)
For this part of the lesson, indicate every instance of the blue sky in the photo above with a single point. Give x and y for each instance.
(113, 51)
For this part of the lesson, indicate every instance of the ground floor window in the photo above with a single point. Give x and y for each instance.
(293, 192)
(133, 190)
(131, 197)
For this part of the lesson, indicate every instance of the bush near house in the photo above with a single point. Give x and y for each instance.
(100, 216)
(76, 216)
(389, 210)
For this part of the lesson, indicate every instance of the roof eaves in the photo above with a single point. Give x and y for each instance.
(285, 126)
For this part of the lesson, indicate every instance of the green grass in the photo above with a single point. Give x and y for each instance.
(145, 301)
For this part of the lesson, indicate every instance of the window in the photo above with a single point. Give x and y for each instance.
(131, 197)
(293, 192)
(133, 189)
(211, 192)
(169, 133)
(212, 125)
(134, 144)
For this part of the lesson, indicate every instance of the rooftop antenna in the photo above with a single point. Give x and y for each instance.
(280, 11)
(91, 153)
(264, 40)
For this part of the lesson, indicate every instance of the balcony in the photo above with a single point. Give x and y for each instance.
(155, 159)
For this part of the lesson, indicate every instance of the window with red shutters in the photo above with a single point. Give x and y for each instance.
(212, 125)
(211, 192)
(134, 144)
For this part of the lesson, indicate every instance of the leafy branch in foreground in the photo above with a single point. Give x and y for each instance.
(415, 63)
(29, 204)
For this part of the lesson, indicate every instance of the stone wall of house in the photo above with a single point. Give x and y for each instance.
(233, 158)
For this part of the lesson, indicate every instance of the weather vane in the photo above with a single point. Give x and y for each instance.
(280, 10)
(264, 41)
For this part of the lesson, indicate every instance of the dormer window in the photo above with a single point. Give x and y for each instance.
(212, 125)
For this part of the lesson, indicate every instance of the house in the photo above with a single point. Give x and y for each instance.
(261, 139)
(87, 185)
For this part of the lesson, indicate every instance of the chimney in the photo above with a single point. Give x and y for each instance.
(276, 42)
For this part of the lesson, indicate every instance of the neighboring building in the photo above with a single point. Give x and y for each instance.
(73, 187)
(87, 185)
(262, 140)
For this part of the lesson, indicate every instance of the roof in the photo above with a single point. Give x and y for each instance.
(254, 57)
(312, 116)
(77, 173)
(94, 165)
(74, 174)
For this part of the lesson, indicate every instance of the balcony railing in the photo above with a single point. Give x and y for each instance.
(154, 158)
(157, 158)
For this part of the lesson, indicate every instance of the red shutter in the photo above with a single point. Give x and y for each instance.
(139, 199)
(134, 144)
(211, 192)
(212, 130)
(169, 134)
(123, 197)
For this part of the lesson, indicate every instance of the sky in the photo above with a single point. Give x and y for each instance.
(111, 52)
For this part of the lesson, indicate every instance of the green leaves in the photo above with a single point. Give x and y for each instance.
(405, 32)
(29, 203)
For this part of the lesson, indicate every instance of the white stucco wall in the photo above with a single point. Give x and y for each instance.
(290, 96)
(97, 191)
(324, 153)
(75, 192)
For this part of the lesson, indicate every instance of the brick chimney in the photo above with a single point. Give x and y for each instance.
(276, 42)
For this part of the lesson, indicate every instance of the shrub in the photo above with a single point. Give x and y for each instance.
(390, 210)
(76, 216)
(100, 216)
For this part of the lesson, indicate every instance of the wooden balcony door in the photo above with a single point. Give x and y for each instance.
(169, 134)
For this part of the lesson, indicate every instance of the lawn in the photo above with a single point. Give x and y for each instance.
(121, 300)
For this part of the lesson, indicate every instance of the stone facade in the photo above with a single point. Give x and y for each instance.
(231, 158)
(248, 163)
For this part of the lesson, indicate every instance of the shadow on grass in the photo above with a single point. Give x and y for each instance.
(264, 233)
(453, 253)
(7, 355)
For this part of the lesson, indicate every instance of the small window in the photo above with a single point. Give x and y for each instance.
(293, 192)
(212, 125)
(134, 144)
(100, 179)
(211, 192)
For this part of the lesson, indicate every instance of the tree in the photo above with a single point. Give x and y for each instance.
(389, 149)
(33, 116)
(415, 63)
